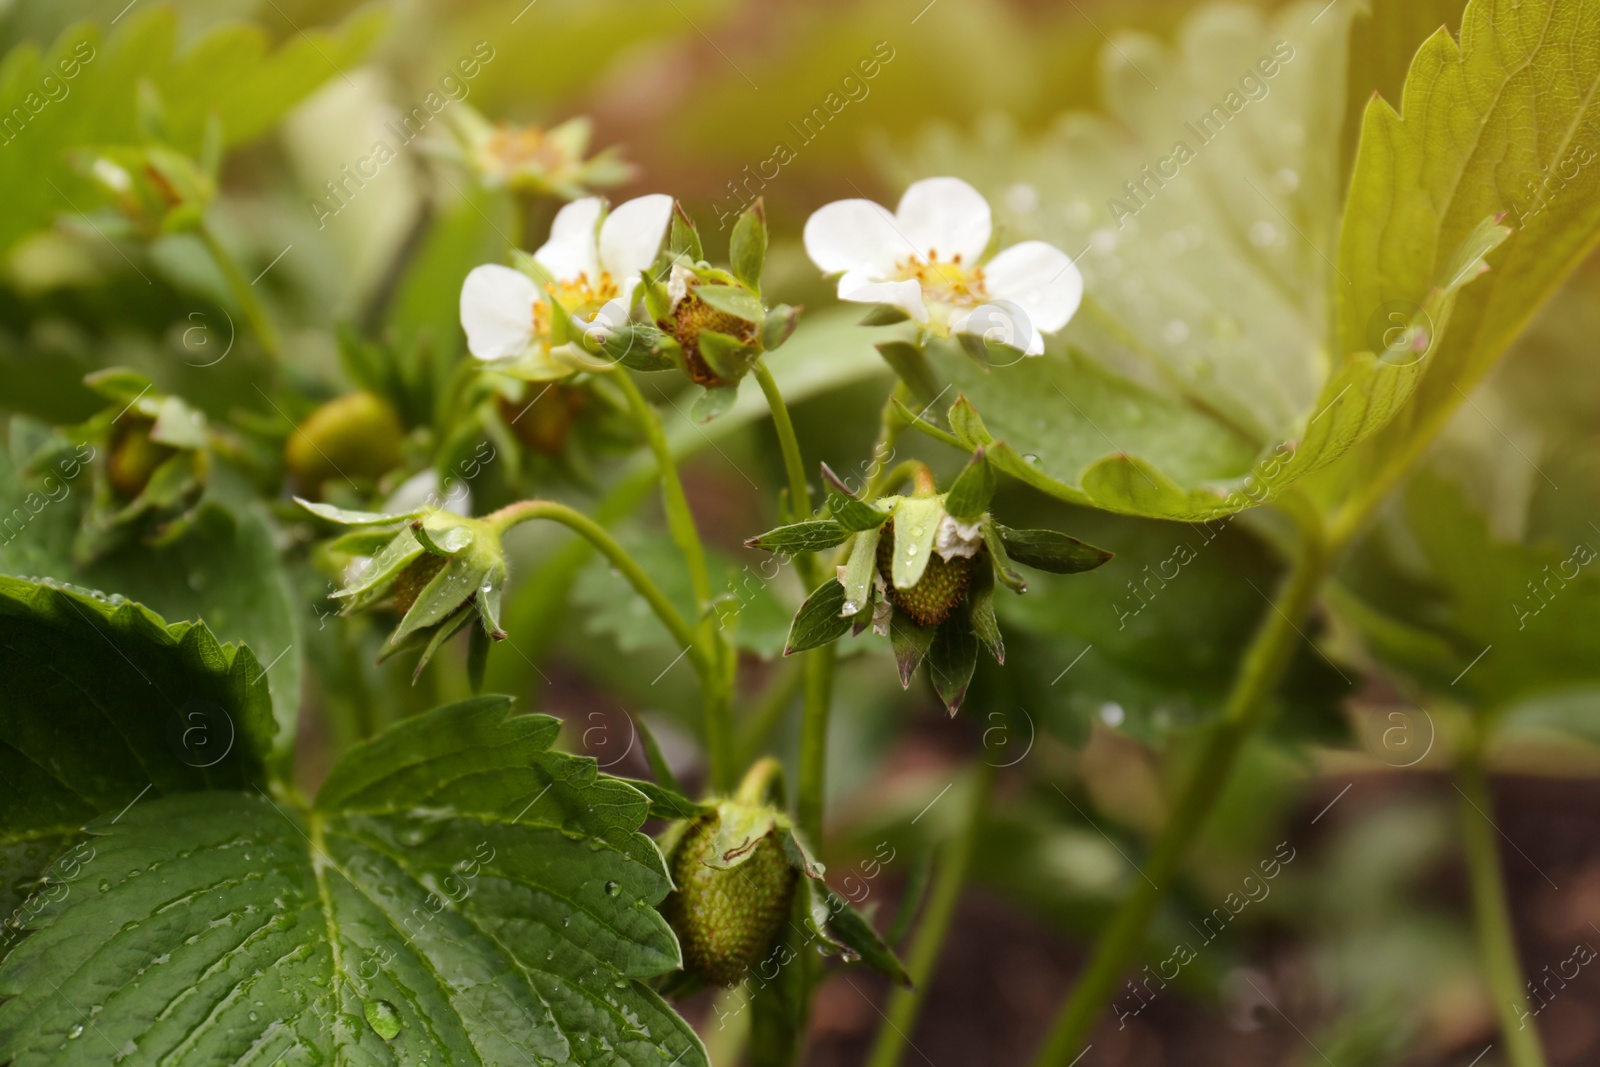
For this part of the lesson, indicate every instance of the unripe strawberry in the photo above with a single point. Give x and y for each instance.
(409, 583)
(937, 592)
(135, 457)
(353, 436)
(545, 423)
(727, 919)
(692, 315)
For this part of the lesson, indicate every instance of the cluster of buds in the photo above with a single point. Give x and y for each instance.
(437, 570)
(922, 571)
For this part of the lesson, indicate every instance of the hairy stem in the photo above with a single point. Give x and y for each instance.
(1259, 673)
(575, 520)
(906, 1004)
(244, 292)
(1492, 916)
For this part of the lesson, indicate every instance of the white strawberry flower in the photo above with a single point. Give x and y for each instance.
(595, 267)
(924, 258)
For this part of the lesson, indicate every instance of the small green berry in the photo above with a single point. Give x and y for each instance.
(409, 583)
(727, 920)
(937, 592)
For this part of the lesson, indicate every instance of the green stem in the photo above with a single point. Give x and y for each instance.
(680, 520)
(817, 707)
(575, 520)
(244, 293)
(1492, 916)
(1259, 674)
(760, 721)
(793, 462)
(906, 1004)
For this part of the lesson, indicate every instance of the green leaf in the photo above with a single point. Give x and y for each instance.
(777, 327)
(1522, 81)
(812, 535)
(916, 523)
(818, 621)
(104, 704)
(1047, 550)
(683, 239)
(747, 248)
(348, 517)
(733, 300)
(969, 497)
(980, 601)
(459, 893)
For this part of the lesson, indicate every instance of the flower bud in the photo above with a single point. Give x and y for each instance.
(135, 457)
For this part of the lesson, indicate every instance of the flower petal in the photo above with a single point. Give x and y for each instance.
(631, 237)
(571, 249)
(947, 216)
(497, 311)
(855, 235)
(859, 287)
(1040, 279)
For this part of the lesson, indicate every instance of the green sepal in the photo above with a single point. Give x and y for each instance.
(778, 325)
(910, 643)
(122, 384)
(442, 633)
(818, 622)
(916, 522)
(444, 594)
(491, 592)
(638, 347)
(713, 402)
(849, 929)
(812, 535)
(884, 315)
(444, 533)
(952, 659)
(967, 424)
(1048, 550)
(910, 365)
(732, 300)
(372, 584)
(368, 542)
(859, 572)
(347, 517)
(657, 301)
(747, 248)
(1000, 560)
(179, 425)
(683, 238)
(728, 357)
(980, 607)
(974, 487)
(852, 513)
(989, 353)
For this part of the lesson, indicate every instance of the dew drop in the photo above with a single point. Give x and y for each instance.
(566, 920)
(911, 550)
(612, 889)
(75, 1033)
(383, 1018)
(105, 886)
(850, 608)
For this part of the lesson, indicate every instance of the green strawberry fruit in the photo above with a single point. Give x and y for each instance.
(689, 318)
(353, 436)
(727, 920)
(936, 594)
(409, 583)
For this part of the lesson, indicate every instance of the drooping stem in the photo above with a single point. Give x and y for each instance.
(680, 520)
(1491, 914)
(575, 520)
(243, 292)
(906, 1004)
(1259, 674)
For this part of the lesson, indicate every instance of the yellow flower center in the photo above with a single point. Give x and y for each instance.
(947, 282)
(511, 149)
(580, 296)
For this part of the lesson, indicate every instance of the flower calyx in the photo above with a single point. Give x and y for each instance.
(922, 570)
(438, 570)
